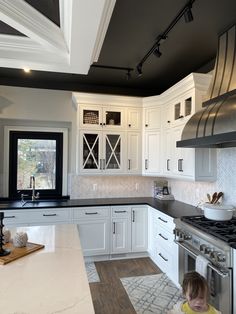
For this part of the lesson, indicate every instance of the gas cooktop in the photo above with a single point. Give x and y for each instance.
(224, 230)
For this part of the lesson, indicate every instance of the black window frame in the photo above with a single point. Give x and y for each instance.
(14, 193)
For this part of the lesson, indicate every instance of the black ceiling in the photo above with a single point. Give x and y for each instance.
(133, 29)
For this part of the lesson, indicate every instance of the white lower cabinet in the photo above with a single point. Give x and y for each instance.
(121, 231)
(103, 229)
(94, 229)
(129, 229)
(94, 236)
(120, 235)
(162, 248)
(139, 228)
(42, 216)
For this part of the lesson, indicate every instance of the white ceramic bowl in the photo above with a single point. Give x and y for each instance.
(218, 212)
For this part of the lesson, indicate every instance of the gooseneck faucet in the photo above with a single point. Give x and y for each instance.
(32, 186)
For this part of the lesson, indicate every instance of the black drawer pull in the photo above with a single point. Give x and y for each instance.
(10, 217)
(165, 259)
(162, 236)
(120, 211)
(165, 221)
(49, 215)
(94, 213)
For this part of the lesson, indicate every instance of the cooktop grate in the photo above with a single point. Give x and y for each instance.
(224, 230)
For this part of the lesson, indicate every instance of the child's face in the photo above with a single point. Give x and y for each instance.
(198, 304)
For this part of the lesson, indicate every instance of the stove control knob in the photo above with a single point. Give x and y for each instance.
(187, 237)
(176, 232)
(202, 247)
(220, 257)
(207, 250)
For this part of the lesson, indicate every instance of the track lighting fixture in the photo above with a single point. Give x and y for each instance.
(157, 52)
(139, 69)
(128, 70)
(128, 75)
(188, 16)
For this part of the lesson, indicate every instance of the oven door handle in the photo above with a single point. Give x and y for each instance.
(223, 274)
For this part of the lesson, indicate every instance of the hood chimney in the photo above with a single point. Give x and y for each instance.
(215, 124)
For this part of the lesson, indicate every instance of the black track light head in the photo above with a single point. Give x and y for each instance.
(128, 75)
(139, 69)
(157, 52)
(188, 16)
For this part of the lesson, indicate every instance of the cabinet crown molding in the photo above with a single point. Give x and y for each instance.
(198, 81)
(111, 100)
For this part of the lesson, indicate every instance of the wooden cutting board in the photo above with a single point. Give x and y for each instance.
(18, 252)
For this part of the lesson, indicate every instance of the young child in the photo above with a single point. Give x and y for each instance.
(196, 292)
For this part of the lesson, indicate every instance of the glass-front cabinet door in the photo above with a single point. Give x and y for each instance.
(113, 118)
(100, 117)
(91, 117)
(101, 152)
(112, 151)
(90, 146)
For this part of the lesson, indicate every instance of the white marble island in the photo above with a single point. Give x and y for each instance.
(49, 281)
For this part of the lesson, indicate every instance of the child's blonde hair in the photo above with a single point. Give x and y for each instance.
(195, 284)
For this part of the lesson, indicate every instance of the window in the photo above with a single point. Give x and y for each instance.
(39, 154)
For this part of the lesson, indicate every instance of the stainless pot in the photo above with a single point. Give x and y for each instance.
(218, 211)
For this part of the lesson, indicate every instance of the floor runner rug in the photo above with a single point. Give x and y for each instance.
(151, 294)
(91, 272)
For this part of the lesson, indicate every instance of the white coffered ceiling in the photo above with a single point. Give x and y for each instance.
(70, 48)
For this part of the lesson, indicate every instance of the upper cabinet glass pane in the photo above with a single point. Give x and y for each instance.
(90, 151)
(177, 111)
(90, 117)
(188, 106)
(113, 117)
(113, 151)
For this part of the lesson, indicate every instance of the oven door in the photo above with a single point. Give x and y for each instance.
(220, 282)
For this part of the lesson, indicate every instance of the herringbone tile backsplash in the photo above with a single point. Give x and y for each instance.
(185, 191)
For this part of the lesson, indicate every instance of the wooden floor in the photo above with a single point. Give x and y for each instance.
(109, 296)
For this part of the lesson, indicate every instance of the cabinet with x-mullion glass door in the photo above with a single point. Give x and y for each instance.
(101, 117)
(101, 152)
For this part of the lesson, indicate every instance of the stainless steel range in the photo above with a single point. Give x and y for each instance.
(197, 235)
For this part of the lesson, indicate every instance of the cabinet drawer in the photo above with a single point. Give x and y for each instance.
(163, 259)
(165, 221)
(121, 211)
(50, 215)
(164, 238)
(19, 217)
(90, 212)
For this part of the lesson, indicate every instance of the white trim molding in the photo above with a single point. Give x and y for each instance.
(71, 48)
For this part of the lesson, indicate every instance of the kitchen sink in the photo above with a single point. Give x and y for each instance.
(42, 202)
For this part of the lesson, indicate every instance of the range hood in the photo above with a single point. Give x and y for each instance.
(215, 124)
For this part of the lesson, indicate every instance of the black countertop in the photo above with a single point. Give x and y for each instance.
(174, 209)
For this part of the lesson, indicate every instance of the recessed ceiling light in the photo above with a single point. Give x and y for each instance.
(26, 70)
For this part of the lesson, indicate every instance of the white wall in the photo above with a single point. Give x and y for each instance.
(37, 107)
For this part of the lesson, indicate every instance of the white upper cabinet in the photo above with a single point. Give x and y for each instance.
(102, 117)
(180, 102)
(101, 152)
(134, 153)
(152, 118)
(152, 153)
(152, 138)
(134, 119)
(109, 134)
